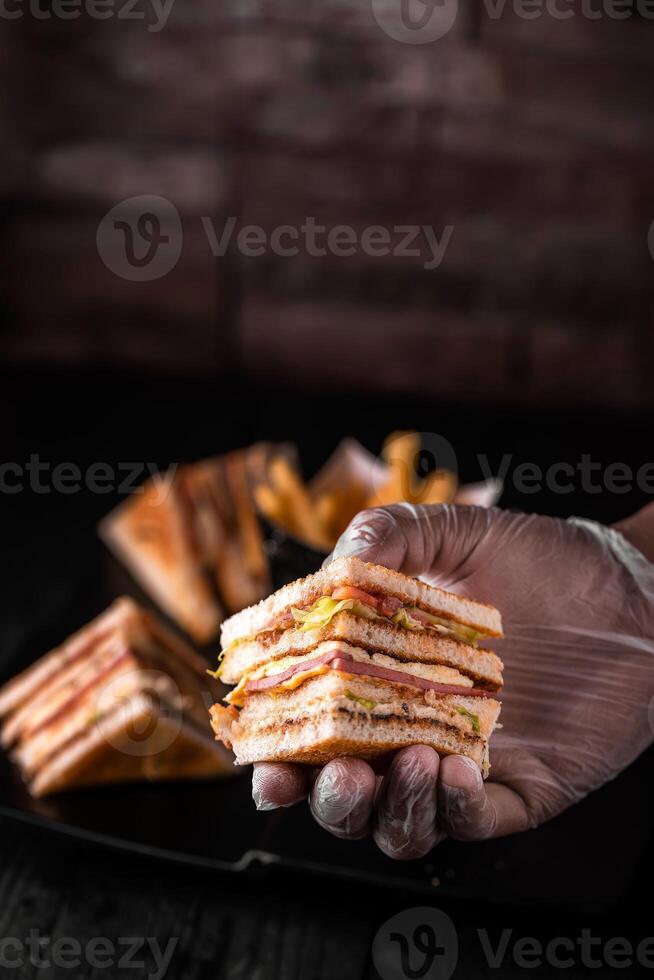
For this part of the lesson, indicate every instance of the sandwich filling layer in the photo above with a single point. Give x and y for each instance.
(383, 590)
(288, 673)
(367, 605)
(374, 697)
(358, 659)
(482, 666)
(457, 723)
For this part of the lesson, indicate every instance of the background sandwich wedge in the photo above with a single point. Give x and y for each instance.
(358, 660)
(123, 699)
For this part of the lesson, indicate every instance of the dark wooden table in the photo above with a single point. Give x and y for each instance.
(220, 926)
(279, 925)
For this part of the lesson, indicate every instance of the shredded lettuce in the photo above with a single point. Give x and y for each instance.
(367, 704)
(364, 611)
(473, 719)
(216, 673)
(402, 618)
(466, 633)
(320, 614)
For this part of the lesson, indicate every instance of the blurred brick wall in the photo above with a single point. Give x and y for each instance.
(533, 138)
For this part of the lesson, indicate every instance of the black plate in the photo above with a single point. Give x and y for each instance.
(215, 824)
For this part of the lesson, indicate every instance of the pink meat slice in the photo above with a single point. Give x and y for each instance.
(264, 683)
(400, 677)
(337, 660)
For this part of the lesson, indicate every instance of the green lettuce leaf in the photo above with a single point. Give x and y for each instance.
(216, 673)
(367, 704)
(402, 618)
(320, 614)
(473, 719)
(324, 609)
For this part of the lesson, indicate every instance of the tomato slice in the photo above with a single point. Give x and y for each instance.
(349, 592)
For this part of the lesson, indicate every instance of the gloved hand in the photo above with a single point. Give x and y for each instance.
(577, 600)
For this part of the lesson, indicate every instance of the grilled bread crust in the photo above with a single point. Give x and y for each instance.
(484, 666)
(373, 578)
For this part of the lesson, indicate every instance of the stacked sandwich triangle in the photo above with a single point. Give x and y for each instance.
(122, 699)
(358, 660)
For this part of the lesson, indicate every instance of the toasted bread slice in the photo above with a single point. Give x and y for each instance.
(372, 578)
(335, 714)
(482, 665)
(63, 673)
(79, 645)
(108, 753)
(335, 733)
(103, 689)
(153, 535)
(62, 714)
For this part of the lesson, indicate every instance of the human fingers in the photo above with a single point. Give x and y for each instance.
(405, 821)
(418, 539)
(276, 784)
(342, 797)
(469, 809)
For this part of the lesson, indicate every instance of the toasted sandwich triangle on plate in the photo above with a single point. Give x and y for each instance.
(358, 659)
(122, 699)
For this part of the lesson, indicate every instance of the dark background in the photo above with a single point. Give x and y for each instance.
(532, 137)
(586, 870)
(533, 338)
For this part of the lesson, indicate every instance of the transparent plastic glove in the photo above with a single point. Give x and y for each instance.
(577, 600)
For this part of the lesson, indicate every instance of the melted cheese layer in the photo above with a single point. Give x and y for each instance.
(433, 672)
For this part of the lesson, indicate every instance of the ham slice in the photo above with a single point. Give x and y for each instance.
(265, 683)
(401, 677)
(421, 616)
(389, 605)
(337, 660)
